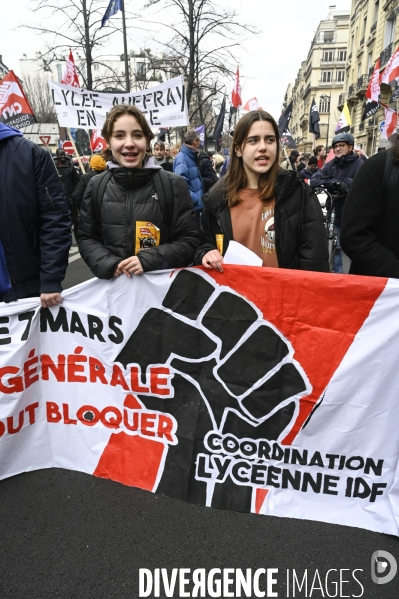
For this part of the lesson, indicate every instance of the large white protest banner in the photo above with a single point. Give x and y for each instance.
(163, 106)
(262, 390)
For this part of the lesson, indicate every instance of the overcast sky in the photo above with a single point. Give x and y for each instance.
(268, 61)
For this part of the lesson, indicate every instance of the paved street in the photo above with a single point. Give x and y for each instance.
(73, 536)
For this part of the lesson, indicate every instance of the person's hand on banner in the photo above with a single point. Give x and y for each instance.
(213, 259)
(129, 266)
(50, 299)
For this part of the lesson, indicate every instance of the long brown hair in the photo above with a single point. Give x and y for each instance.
(113, 116)
(236, 178)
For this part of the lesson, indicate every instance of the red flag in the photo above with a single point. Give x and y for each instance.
(97, 142)
(236, 94)
(390, 123)
(391, 71)
(70, 76)
(15, 109)
(252, 104)
(373, 90)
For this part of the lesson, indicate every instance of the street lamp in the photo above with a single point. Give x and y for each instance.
(324, 97)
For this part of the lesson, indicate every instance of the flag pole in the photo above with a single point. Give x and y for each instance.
(125, 47)
(76, 151)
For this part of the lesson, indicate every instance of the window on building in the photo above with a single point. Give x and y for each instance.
(341, 55)
(340, 76)
(328, 56)
(96, 66)
(324, 105)
(389, 34)
(328, 37)
(369, 61)
(376, 9)
(140, 67)
(59, 72)
(359, 69)
(364, 26)
(326, 76)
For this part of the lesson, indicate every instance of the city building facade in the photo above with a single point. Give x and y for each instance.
(320, 77)
(374, 33)
(3, 69)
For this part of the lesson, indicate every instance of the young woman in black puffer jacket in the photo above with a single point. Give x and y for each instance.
(268, 210)
(108, 229)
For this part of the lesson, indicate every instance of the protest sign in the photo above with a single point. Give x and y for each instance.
(163, 106)
(265, 390)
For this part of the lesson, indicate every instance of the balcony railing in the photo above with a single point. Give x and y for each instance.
(308, 71)
(386, 55)
(361, 127)
(362, 83)
(352, 90)
(341, 99)
(373, 27)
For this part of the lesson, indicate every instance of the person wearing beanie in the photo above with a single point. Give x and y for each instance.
(97, 165)
(311, 169)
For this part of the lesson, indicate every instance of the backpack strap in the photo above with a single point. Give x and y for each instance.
(100, 182)
(390, 175)
(163, 190)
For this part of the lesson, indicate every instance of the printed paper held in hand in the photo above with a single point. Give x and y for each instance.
(239, 254)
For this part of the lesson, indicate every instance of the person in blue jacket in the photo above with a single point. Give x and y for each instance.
(185, 165)
(35, 222)
(337, 176)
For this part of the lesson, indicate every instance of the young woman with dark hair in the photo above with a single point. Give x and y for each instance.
(144, 219)
(263, 207)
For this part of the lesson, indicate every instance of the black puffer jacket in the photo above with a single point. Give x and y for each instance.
(129, 197)
(301, 241)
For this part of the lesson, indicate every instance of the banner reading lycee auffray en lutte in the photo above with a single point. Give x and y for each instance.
(263, 390)
(163, 106)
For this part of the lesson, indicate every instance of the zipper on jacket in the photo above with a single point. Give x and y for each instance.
(49, 196)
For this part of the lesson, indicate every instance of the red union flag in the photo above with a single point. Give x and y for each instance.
(264, 390)
(391, 71)
(97, 142)
(390, 123)
(373, 89)
(70, 76)
(15, 109)
(236, 93)
(252, 104)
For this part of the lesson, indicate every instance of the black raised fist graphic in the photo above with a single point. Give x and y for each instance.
(233, 371)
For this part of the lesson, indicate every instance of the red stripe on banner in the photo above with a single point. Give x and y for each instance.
(131, 460)
(319, 313)
(260, 499)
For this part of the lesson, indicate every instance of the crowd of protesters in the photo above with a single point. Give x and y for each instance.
(259, 197)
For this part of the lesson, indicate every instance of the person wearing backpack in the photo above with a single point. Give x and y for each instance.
(370, 219)
(135, 217)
